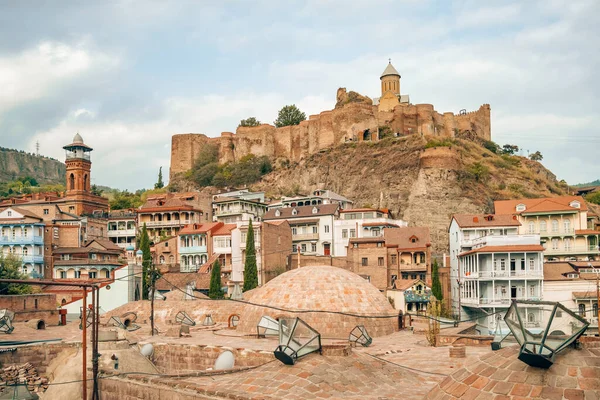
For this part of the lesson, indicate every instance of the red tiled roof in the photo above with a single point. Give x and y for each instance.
(380, 224)
(369, 239)
(557, 271)
(504, 249)
(224, 230)
(547, 204)
(484, 220)
(403, 284)
(200, 228)
(586, 232)
(585, 295)
(401, 237)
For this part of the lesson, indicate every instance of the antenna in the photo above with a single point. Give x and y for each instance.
(37, 148)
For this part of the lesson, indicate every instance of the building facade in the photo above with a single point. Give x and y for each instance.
(121, 228)
(22, 235)
(231, 210)
(96, 260)
(566, 227)
(317, 197)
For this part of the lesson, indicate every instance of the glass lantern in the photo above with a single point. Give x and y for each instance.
(296, 339)
(184, 319)
(359, 335)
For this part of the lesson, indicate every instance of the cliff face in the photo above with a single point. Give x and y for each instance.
(354, 119)
(423, 186)
(14, 164)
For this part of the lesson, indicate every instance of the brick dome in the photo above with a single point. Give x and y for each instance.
(322, 288)
(574, 375)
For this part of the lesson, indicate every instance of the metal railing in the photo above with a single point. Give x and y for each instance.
(21, 240)
(535, 273)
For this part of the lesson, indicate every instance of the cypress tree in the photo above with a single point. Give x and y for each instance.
(160, 184)
(214, 291)
(436, 286)
(146, 261)
(250, 269)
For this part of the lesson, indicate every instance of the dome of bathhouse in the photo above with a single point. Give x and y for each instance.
(351, 299)
(575, 374)
(390, 70)
(77, 138)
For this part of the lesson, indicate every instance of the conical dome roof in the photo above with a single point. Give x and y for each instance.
(390, 70)
(77, 138)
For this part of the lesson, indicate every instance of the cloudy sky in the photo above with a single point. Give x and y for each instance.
(128, 74)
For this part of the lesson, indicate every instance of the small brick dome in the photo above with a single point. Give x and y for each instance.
(322, 288)
(574, 375)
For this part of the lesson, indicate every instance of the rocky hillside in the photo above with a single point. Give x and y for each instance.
(423, 181)
(15, 164)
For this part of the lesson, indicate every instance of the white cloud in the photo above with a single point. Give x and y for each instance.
(487, 16)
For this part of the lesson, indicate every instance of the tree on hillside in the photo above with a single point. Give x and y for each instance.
(10, 268)
(491, 146)
(146, 261)
(436, 286)
(123, 200)
(593, 197)
(537, 156)
(96, 190)
(214, 291)
(250, 269)
(289, 115)
(159, 184)
(252, 121)
(510, 149)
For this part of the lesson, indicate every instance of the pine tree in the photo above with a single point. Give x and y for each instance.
(160, 184)
(250, 270)
(214, 291)
(436, 286)
(146, 261)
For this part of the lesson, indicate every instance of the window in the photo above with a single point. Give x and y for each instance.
(71, 208)
(531, 264)
(65, 257)
(162, 259)
(303, 247)
(582, 310)
(466, 235)
(375, 232)
(94, 256)
(567, 225)
(166, 244)
(25, 251)
(313, 247)
(63, 274)
(393, 259)
(543, 226)
(532, 290)
(413, 276)
(294, 231)
(531, 225)
(520, 207)
(352, 233)
(380, 261)
(422, 277)
(355, 245)
(93, 275)
(558, 313)
(502, 264)
(78, 274)
(554, 244)
(9, 213)
(405, 275)
(555, 225)
(567, 244)
(294, 248)
(344, 233)
(326, 228)
(379, 244)
(365, 261)
(315, 229)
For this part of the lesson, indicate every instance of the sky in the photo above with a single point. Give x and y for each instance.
(128, 74)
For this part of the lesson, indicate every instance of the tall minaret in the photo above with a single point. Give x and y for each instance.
(390, 80)
(79, 166)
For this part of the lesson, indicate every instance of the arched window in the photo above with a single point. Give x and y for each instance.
(162, 259)
(71, 182)
(554, 225)
(567, 225)
(582, 310)
(531, 227)
(531, 317)
(85, 182)
(543, 226)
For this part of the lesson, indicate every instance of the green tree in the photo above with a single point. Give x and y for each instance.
(491, 146)
(479, 171)
(249, 122)
(510, 149)
(250, 269)
(593, 197)
(96, 190)
(214, 291)
(537, 156)
(123, 200)
(160, 184)
(10, 268)
(289, 115)
(436, 286)
(146, 261)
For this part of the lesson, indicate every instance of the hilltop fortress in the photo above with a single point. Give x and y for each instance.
(354, 118)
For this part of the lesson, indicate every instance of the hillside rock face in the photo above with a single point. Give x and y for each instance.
(423, 186)
(14, 164)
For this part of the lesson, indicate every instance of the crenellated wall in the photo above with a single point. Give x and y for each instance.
(355, 119)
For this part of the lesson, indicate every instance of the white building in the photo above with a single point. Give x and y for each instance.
(312, 227)
(319, 196)
(121, 228)
(238, 247)
(231, 209)
(361, 223)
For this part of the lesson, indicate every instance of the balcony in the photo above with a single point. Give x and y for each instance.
(192, 250)
(574, 250)
(173, 222)
(35, 259)
(492, 301)
(484, 275)
(122, 232)
(558, 232)
(35, 275)
(21, 240)
(305, 236)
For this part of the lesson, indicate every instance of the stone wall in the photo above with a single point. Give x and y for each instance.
(32, 306)
(39, 355)
(349, 121)
(175, 358)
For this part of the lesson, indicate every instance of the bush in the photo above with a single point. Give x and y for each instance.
(491, 146)
(593, 197)
(479, 171)
(446, 142)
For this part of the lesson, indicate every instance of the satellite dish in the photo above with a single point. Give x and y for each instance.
(147, 350)
(225, 361)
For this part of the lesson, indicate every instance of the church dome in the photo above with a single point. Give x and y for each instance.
(351, 299)
(130, 248)
(390, 70)
(77, 138)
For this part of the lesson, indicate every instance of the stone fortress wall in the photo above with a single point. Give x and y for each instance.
(354, 118)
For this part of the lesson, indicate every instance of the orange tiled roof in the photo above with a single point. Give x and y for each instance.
(504, 249)
(547, 204)
(586, 232)
(224, 230)
(585, 295)
(403, 284)
(484, 220)
(401, 237)
(200, 228)
(380, 224)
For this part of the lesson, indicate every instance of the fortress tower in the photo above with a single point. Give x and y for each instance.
(390, 80)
